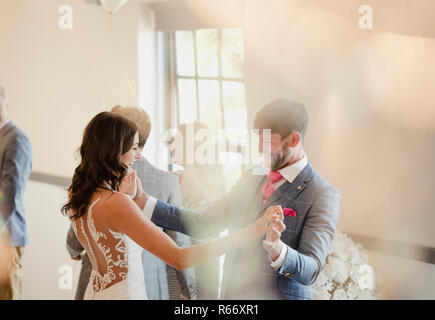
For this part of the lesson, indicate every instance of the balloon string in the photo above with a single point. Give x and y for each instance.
(118, 53)
(106, 65)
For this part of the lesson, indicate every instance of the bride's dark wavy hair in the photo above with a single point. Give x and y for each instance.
(106, 138)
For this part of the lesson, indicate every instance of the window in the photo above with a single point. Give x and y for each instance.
(210, 77)
(206, 83)
(209, 85)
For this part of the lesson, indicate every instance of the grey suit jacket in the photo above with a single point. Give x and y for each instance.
(16, 158)
(161, 185)
(247, 270)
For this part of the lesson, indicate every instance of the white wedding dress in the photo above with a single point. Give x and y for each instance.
(117, 271)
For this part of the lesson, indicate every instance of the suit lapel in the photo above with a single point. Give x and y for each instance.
(287, 192)
(258, 200)
(283, 196)
(5, 129)
(256, 203)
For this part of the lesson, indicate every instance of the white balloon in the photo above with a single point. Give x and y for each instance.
(112, 5)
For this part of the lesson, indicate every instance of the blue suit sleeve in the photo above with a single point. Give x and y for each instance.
(15, 173)
(305, 263)
(209, 223)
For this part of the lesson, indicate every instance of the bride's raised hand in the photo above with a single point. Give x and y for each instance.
(128, 184)
(139, 185)
(272, 215)
(141, 197)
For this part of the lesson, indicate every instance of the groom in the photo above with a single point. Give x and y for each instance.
(282, 266)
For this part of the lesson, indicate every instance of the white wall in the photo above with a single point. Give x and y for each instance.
(147, 73)
(404, 278)
(46, 252)
(57, 80)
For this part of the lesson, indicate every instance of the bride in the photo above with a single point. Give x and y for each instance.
(110, 225)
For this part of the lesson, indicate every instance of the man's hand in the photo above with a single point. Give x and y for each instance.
(273, 244)
(79, 257)
(259, 227)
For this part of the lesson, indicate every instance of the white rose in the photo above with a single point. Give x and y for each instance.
(354, 254)
(329, 272)
(338, 245)
(339, 294)
(355, 260)
(321, 295)
(366, 295)
(354, 273)
(353, 291)
(341, 268)
(342, 254)
(321, 280)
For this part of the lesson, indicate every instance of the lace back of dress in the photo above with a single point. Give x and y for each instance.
(106, 249)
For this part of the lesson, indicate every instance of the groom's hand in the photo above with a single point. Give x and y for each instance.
(79, 257)
(273, 244)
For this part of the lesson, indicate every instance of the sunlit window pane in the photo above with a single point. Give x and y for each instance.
(234, 104)
(232, 172)
(207, 52)
(187, 100)
(209, 103)
(232, 53)
(216, 54)
(185, 53)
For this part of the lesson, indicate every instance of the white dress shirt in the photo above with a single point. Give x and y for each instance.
(288, 173)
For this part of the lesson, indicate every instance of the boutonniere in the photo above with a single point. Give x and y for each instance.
(289, 212)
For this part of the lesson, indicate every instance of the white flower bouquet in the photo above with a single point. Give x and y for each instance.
(347, 274)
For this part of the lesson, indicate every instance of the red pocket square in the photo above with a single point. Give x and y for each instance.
(289, 212)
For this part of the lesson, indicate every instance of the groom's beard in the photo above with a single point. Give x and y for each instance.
(280, 160)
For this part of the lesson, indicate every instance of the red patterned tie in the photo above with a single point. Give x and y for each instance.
(267, 189)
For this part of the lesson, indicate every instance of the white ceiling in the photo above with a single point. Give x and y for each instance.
(408, 17)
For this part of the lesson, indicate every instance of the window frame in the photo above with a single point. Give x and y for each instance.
(175, 76)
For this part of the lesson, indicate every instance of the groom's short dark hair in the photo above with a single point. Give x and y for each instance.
(283, 116)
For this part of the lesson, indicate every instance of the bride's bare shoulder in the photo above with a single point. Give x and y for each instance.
(114, 201)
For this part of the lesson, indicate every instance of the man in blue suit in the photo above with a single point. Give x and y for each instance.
(15, 166)
(283, 265)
